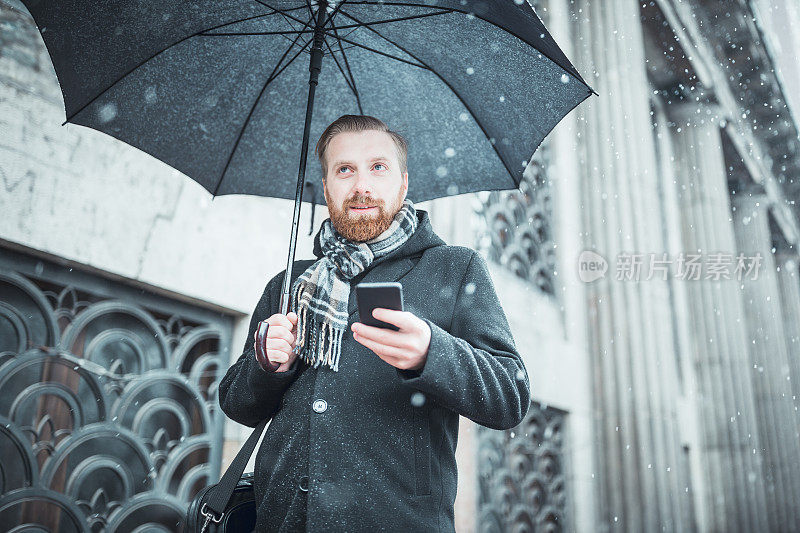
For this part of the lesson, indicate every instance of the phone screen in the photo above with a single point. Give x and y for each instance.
(388, 295)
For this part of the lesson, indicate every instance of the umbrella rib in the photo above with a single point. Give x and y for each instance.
(442, 11)
(511, 172)
(287, 15)
(348, 41)
(346, 80)
(275, 73)
(310, 11)
(284, 32)
(574, 72)
(334, 12)
(283, 12)
(365, 47)
(101, 93)
(349, 71)
(274, 11)
(351, 82)
(256, 33)
(405, 4)
(399, 19)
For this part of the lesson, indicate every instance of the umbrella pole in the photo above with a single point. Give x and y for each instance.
(314, 68)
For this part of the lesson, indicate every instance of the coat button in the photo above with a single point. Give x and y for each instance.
(303, 483)
(320, 405)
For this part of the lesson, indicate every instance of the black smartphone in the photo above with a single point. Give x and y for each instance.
(382, 294)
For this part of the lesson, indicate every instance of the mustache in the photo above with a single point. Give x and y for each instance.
(362, 201)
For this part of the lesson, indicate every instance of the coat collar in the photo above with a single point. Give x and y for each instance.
(384, 270)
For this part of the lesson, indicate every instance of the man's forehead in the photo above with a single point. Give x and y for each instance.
(366, 145)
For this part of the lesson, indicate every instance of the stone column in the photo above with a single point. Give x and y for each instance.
(691, 423)
(788, 275)
(769, 360)
(641, 485)
(566, 176)
(731, 494)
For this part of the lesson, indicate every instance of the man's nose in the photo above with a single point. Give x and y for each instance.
(362, 183)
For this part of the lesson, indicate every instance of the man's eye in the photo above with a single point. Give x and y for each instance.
(378, 165)
(340, 168)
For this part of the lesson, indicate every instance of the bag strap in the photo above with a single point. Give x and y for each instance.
(220, 495)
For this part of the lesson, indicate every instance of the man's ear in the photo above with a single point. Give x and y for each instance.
(405, 184)
(324, 189)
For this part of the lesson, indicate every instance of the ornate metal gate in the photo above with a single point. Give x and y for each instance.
(522, 475)
(109, 418)
(516, 226)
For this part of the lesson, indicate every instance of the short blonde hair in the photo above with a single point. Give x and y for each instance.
(356, 123)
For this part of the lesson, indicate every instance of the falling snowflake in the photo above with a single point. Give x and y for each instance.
(150, 96)
(107, 112)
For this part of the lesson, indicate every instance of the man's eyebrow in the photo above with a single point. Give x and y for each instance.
(377, 158)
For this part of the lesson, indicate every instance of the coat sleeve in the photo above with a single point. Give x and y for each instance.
(475, 369)
(247, 393)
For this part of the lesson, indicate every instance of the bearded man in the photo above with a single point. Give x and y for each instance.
(364, 420)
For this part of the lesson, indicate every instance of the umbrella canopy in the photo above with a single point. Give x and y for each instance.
(214, 88)
(217, 89)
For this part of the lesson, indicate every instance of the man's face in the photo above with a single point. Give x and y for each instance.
(363, 171)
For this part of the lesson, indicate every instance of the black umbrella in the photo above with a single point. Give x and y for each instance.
(215, 88)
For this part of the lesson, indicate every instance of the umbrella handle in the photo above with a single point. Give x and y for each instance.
(261, 354)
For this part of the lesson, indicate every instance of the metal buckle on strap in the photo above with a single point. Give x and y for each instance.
(210, 516)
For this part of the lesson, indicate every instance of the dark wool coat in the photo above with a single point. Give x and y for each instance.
(372, 447)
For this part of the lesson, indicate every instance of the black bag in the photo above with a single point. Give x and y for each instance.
(228, 506)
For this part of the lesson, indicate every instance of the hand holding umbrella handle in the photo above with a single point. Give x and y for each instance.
(260, 334)
(261, 352)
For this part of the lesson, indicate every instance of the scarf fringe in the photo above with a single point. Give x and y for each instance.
(318, 343)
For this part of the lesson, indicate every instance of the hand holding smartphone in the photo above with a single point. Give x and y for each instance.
(369, 296)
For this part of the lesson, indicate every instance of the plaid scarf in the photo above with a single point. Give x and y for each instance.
(320, 294)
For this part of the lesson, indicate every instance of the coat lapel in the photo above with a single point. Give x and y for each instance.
(390, 270)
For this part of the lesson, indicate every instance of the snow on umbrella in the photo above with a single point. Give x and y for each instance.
(215, 88)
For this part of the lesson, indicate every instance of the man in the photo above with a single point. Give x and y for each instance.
(364, 420)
